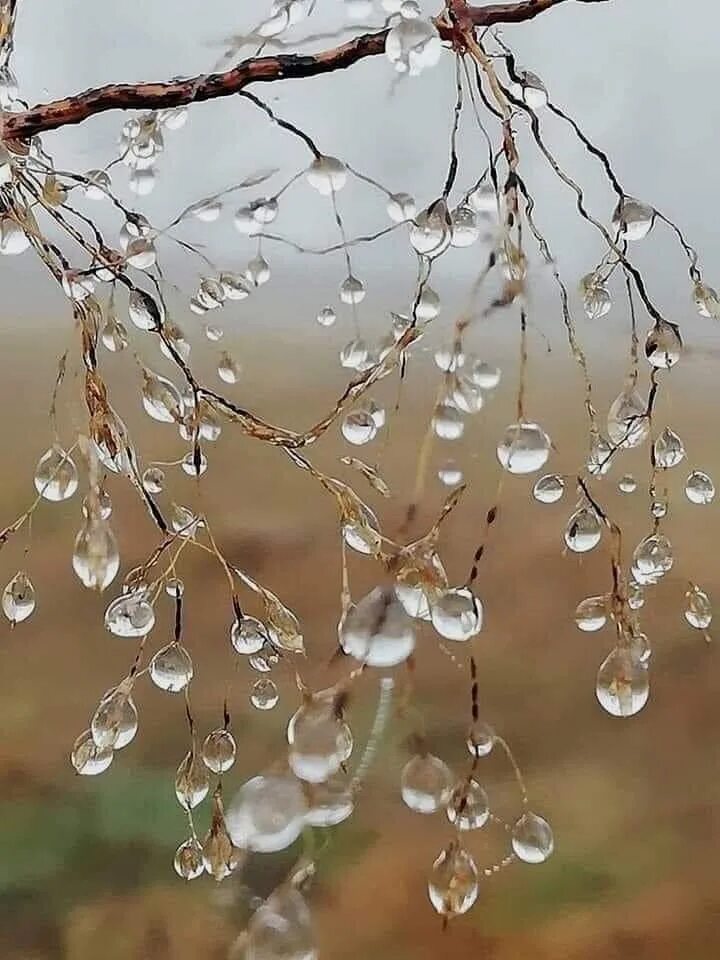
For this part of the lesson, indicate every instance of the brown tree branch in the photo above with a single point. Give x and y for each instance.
(452, 24)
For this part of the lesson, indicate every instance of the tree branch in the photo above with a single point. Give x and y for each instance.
(156, 96)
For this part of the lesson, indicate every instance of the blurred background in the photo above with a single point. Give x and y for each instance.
(86, 863)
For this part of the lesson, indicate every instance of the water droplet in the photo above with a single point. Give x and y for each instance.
(483, 199)
(532, 838)
(481, 740)
(468, 807)
(359, 427)
(174, 587)
(628, 423)
(426, 783)
(412, 45)
(171, 668)
(453, 883)
(280, 929)
(591, 614)
(669, 449)
(352, 290)
(600, 457)
(377, 631)
(431, 231)
(18, 598)
(549, 488)
(635, 595)
(264, 694)
(622, 685)
(583, 530)
(663, 345)
(115, 718)
(464, 227)
(193, 467)
(596, 297)
(354, 354)
(97, 186)
(267, 814)
(228, 370)
(161, 398)
(326, 317)
(95, 559)
(457, 614)
(114, 335)
(447, 422)
(450, 474)
(632, 219)
(153, 480)
(191, 782)
(89, 759)
(706, 300)
(627, 484)
(258, 271)
(143, 311)
(130, 616)
(56, 476)
(319, 742)
(699, 488)
(485, 375)
(529, 89)
(331, 803)
(248, 635)
(218, 750)
(524, 448)
(327, 175)
(401, 207)
(188, 860)
(698, 610)
(652, 558)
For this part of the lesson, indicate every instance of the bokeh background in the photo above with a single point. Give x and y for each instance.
(85, 864)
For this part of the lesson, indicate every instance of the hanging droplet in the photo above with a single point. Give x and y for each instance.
(171, 668)
(426, 783)
(453, 883)
(447, 422)
(153, 480)
(191, 782)
(600, 457)
(161, 398)
(583, 530)
(56, 476)
(632, 219)
(698, 609)
(114, 715)
(332, 803)
(220, 856)
(413, 44)
(228, 370)
(267, 814)
(401, 207)
(532, 838)
(529, 89)
(95, 558)
(326, 317)
(457, 614)
(431, 231)
(377, 631)
(143, 311)
(188, 860)
(663, 345)
(464, 228)
(361, 531)
(706, 300)
(114, 335)
(281, 929)
(468, 807)
(192, 466)
(659, 508)
(591, 614)
(130, 616)
(354, 354)
(652, 558)
(635, 595)
(481, 740)
(352, 290)
(359, 427)
(327, 175)
(450, 474)
(549, 488)
(258, 271)
(264, 694)
(699, 488)
(248, 635)
(218, 750)
(465, 395)
(428, 304)
(669, 449)
(319, 742)
(89, 759)
(628, 423)
(97, 184)
(484, 200)
(450, 358)
(524, 448)
(596, 297)
(485, 375)
(18, 598)
(174, 587)
(627, 483)
(622, 685)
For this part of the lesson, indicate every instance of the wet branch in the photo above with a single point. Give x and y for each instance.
(454, 25)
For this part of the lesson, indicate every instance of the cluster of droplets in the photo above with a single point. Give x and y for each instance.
(142, 141)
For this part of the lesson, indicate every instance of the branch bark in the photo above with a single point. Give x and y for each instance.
(156, 96)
